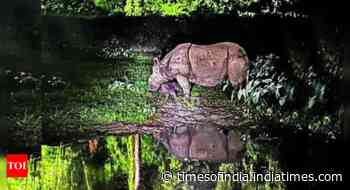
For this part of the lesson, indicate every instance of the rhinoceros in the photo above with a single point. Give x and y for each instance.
(205, 65)
(202, 143)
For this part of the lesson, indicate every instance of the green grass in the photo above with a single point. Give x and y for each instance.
(104, 103)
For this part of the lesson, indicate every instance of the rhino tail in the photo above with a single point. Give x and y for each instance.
(239, 65)
(244, 55)
(247, 63)
(248, 76)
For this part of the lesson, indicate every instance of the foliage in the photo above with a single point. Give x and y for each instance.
(67, 7)
(115, 6)
(174, 8)
(318, 89)
(271, 94)
(318, 114)
(331, 57)
(143, 7)
(265, 86)
(283, 8)
(133, 8)
(121, 158)
(224, 6)
(169, 9)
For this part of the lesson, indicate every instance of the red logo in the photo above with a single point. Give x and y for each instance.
(17, 165)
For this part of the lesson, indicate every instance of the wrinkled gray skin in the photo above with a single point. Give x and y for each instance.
(203, 143)
(205, 65)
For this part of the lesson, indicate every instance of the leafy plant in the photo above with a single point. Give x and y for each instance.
(67, 7)
(317, 87)
(169, 9)
(265, 86)
(133, 8)
(318, 95)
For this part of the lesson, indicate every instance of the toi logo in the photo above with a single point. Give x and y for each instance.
(17, 165)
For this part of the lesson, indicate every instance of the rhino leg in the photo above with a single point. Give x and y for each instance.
(184, 84)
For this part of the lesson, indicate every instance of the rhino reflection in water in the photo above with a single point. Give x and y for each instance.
(205, 65)
(203, 143)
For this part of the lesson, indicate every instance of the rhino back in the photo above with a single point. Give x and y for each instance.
(208, 63)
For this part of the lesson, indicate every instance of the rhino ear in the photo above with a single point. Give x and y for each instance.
(156, 61)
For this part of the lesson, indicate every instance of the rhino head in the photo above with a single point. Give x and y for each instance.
(158, 76)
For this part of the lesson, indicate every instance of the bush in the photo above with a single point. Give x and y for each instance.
(266, 86)
(139, 7)
(274, 95)
(67, 7)
(269, 88)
